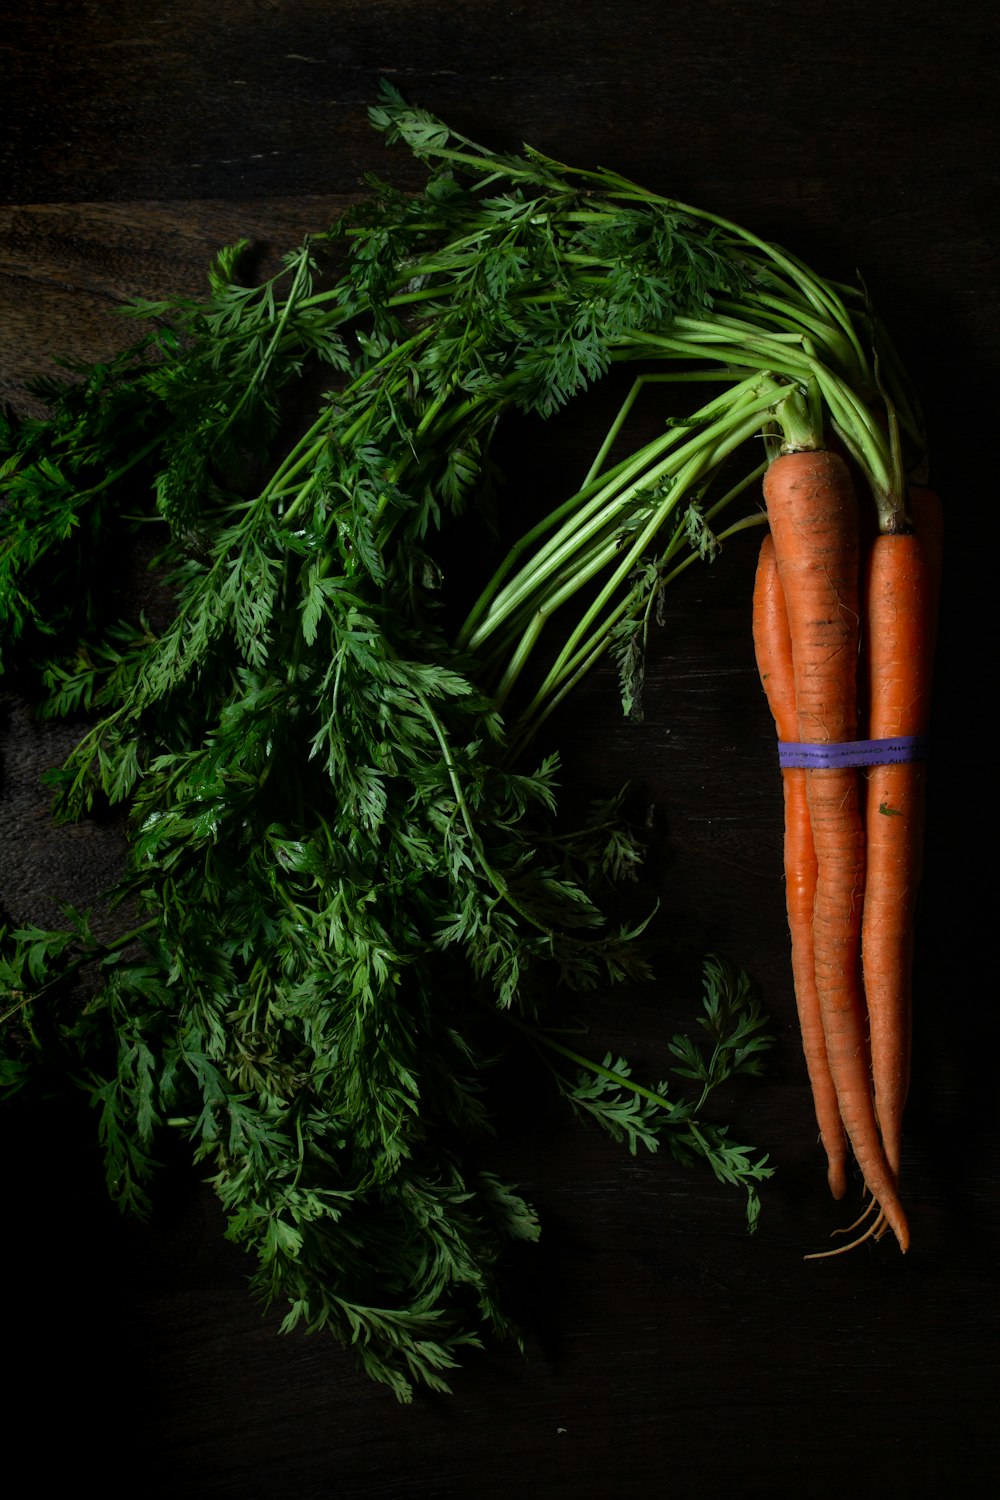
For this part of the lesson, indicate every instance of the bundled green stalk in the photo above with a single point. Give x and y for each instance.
(344, 880)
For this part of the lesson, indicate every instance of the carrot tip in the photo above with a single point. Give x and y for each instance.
(837, 1180)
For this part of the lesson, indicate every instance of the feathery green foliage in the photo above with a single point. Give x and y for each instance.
(344, 869)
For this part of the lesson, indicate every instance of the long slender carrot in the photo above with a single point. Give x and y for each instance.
(773, 649)
(900, 615)
(812, 510)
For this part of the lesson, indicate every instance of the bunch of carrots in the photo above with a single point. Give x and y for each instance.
(844, 636)
(844, 621)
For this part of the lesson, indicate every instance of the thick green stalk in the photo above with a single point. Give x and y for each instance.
(593, 512)
(569, 562)
(629, 558)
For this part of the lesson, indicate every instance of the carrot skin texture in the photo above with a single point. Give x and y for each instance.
(902, 586)
(813, 516)
(773, 650)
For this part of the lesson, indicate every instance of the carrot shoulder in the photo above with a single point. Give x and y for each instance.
(773, 650)
(812, 511)
(900, 610)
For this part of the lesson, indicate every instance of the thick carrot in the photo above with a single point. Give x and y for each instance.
(900, 617)
(813, 517)
(773, 649)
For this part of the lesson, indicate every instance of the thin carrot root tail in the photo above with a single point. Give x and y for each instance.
(891, 1214)
(870, 1208)
(875, 1231)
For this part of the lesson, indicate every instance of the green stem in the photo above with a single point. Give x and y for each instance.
(698, 458)
(301, 277)
(96, 955)
(497, 881)
(593, 511)
(576, 666)
(545, 1039)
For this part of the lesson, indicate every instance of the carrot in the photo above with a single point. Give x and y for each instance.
(900, 617)
(773, 649)
(813, 517)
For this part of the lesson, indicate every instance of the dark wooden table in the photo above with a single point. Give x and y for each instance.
(666, 1350)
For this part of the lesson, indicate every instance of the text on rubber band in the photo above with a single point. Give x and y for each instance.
(811, 757)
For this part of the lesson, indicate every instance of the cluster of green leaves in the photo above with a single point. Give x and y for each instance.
(337, 875)
(735, 1036)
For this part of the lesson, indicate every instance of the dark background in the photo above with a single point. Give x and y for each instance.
(665, 1349)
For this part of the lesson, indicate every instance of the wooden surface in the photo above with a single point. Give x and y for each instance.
(666, 1350)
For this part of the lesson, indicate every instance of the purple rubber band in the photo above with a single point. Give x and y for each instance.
(901, 747)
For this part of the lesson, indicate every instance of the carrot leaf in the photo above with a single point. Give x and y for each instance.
(346, 867)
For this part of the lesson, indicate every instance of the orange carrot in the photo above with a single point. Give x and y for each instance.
(773, 648)
(813, 517)
(900, 611)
